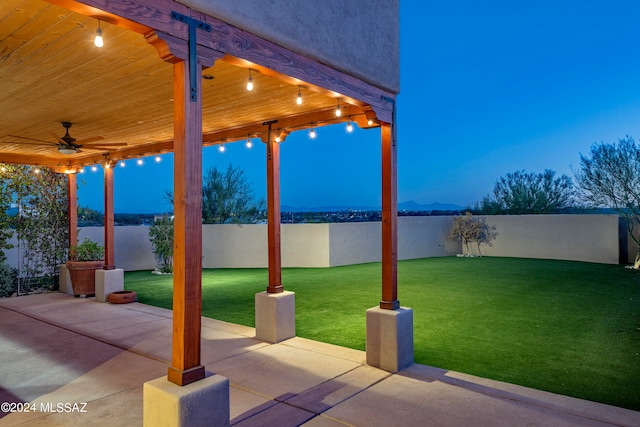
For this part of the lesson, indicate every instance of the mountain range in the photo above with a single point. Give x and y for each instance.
(404, 206)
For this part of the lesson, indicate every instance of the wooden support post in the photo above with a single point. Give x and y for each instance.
(389, 219)
(187, 255)
(273, 214)
(109, 254)
(72, 208)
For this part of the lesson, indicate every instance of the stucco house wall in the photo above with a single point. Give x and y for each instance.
(359, 38)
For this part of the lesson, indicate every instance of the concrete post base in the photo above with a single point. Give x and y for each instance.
(275, 316)
(64, 281)
(390, 338)
(202, 403)
(108, 281)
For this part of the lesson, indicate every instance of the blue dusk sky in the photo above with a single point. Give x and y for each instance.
(487, 88)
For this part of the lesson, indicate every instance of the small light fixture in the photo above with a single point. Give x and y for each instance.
(338, 110)
(299, 98)
(250, 82)
(249, 144)
(94, 168)
(36, 170)
(278, 138)
(63, 149)
(349, 126)
(98, 41)
(312, 133)
(221, 148)
(140, 162)
(81, 170)
(122, 163)
(369, 122)
(158, 159)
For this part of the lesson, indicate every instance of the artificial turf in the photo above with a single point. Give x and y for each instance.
(567, 327)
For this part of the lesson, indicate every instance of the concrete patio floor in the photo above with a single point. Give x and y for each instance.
(58, 349)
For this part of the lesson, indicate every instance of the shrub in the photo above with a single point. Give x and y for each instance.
(8, 280)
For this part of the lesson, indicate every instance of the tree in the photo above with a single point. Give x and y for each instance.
(161, 236)
(467, 229)
(611, 178)
(529, 193)
(40, 224)
(227, 197)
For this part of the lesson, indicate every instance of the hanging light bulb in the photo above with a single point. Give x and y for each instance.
(122, 163)
(349, 126)
(250, 82)
(81, 170)
(338, 110)
(370, 122)
(221, 148)
(299, 98)
(140, 162)
(249, 144)
(277, 139)
(98, 41)
(312, 133)
(158, 159)
(36, 170)
(94, 168)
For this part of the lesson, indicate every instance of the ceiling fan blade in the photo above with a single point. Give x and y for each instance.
(89, 140)
(113, 144)
(62, 141)
(99, 148)
(40, 141)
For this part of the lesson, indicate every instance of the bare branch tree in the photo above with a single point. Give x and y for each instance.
(610, 178)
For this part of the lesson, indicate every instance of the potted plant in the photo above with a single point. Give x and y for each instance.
(84, 260)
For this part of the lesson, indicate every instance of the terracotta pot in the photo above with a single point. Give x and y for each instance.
(83, 276)
(122, 297)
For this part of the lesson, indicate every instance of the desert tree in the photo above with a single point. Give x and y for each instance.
(610, 177)
(227, 197)
(468, 229)
(529, 193)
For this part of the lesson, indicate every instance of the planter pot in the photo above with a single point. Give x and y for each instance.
(83, 276)
(122, 297)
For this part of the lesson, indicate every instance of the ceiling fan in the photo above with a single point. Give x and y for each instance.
(69, 145)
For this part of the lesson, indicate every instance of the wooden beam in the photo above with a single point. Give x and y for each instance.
(109, 253)
(273, 213)
(187, 255)
(389, 219)
(72, 208)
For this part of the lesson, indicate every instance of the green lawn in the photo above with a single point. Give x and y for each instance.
(568, 327)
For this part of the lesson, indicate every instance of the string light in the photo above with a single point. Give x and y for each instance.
(349, 126)
(338, 110)
(249, 144)
(98, 41)
(250, 82)
(158, 159)
(312, 133)
(140, 162)
(221, 148)
(370, 122)
(94, 168)
(299, 98)
(122, 163)
(36, 170)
